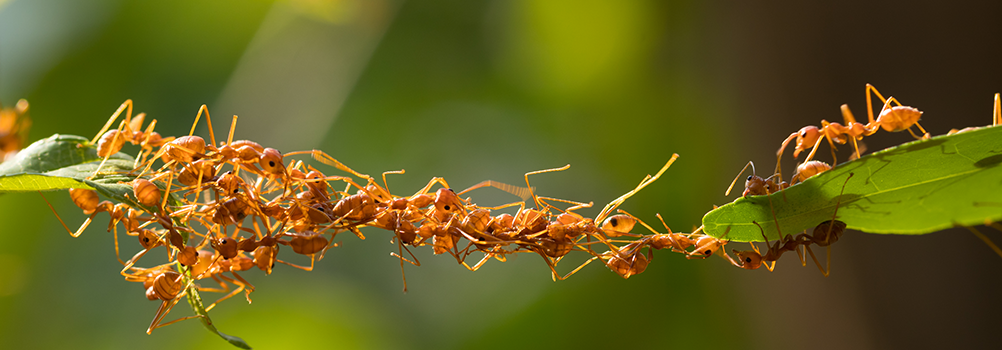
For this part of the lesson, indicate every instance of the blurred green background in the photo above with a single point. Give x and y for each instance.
(490, 90)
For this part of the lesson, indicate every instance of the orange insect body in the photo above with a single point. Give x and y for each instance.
(85, 199)
(14, 125)
(628, 264)
(110, 143)
(809, 169)
(618, 225)
(146, 192)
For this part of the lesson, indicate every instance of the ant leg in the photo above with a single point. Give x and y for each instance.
(161, 312)
(304, 268)
(818, 263)
(400, 248)
(779, 153)
(997, 113)
(431, 183)
(647, 181)
(553, 268)
(233, 127)
(849, 120)
(240, 288)
(531, 192)
(509, 205)
(76, 234)
(127, 107)
(223, 287)
(762, 231)
(522, 192)
(249, 287)
(114, 141)
(575, 205)
(386, 186)
(869, 101)
(484, 260)
(115, 235)
(327, 159)
(985, 239)
(135, 258)
(204, 109)
(815, 149)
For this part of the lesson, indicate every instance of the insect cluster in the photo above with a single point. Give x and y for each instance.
(219, 209)
(891, 118)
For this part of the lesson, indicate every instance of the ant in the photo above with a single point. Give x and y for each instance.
(757, 186)
(891, 119)
(109, 142)
(824, 235)
(165, 284)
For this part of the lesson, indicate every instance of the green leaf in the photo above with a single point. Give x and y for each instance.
(196, 305)
(68, 161)
(915, 188)
(62, 162)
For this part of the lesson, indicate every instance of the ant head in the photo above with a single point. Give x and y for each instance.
(806, 138)
(446, 200)
(226, 247)
(148, 239)
(749, 259)
(271, 161)
(755, 186)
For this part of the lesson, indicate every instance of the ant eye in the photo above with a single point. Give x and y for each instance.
(614, 222)
(271, 163)
(750, 177)
(803, 133)
(447, 207)
(748, 260)
(708, 252)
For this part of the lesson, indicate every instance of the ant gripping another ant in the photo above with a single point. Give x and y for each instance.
(824, 235)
